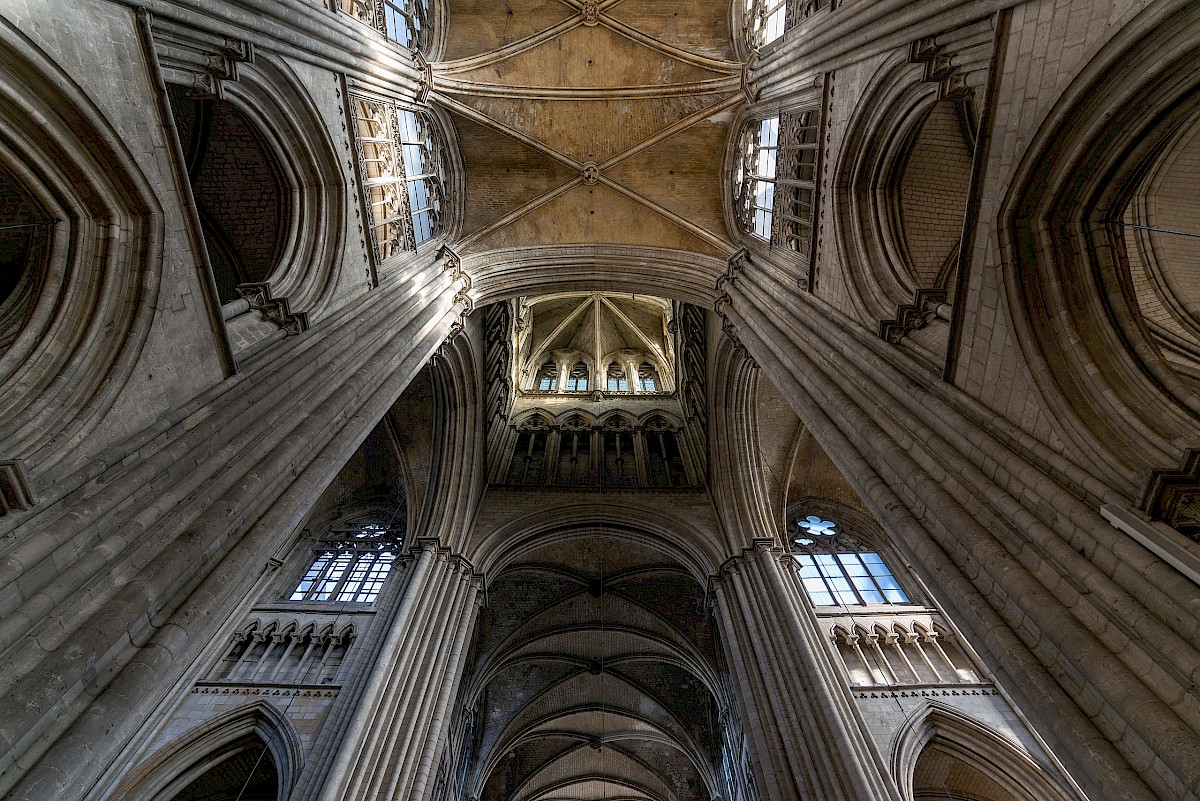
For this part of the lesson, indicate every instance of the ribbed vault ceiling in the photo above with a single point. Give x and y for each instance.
(593, 667)
(601, 128)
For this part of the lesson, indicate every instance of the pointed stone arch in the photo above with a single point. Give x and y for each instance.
(176, 765)
(990, 767)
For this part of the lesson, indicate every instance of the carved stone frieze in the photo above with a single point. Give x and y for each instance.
(276, 310)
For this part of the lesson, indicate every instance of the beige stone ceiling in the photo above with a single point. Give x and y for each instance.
(604, 129)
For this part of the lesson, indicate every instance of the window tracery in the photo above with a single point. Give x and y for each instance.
(402, 162)
(775, 179)
(350, 566)
(406, 22)
(838, 571)
(617, 380)
(577, 379)
(547, 380)
(648, 378)
(767, 20)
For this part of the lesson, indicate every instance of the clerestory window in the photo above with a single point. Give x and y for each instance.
(775, 179)
(836, 571)
(617, 380)
(547, 380)
(401, 158)
(767, 20)
(647, 378)
(350, 565)
(405, 22)
(577, 380)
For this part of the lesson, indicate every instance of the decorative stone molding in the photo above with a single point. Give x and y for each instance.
(199, 60)
(927, 305)
(590, 11)
(737, 263)
(1173, 496)
(16, 495)
(591, 173)
(424, 78)
(955, 59)
(927, 692)
(212, 688)
(274, 309)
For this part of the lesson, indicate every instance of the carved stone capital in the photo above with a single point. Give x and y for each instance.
(275, 310)
(1173, 496)
(424, 77)
(926, 305)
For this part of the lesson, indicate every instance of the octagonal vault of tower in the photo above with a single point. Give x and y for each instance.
(591, 123)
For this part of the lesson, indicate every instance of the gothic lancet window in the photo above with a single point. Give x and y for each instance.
(547, 380)
(577, 380)
(617, 380)
(648, 378)
(402, 164)
(405, 22)
(836, 571)
(350, 565)
(775, 179)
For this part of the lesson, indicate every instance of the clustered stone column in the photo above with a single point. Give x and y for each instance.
(799, 717)
(402, 715)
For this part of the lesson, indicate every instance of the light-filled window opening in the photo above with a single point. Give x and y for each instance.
(835, 572)
(647, 378)
(617, 380)
(755, 177)
(547, 380)
(401, 160)
(577, 380)
(767, 20)
(776, 179)
(405, 22)
(351, 565)
(422, 173)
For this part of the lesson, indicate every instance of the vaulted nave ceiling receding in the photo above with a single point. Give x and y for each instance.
(591, 123)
